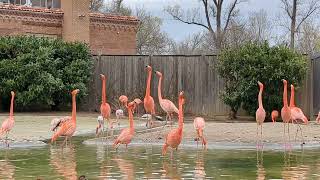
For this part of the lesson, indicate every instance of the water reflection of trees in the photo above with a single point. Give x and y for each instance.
(7, 169)
(294, 167)
(64, 161)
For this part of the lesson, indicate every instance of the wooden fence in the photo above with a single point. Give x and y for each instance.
(195, 75)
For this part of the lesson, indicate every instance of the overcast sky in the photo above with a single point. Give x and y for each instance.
(179, 31)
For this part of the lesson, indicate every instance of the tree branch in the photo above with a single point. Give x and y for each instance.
(188, 22)
(312, 9)
(205, 3)
(287, 7)
(230, 15)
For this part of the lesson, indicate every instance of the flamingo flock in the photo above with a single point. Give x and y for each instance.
(289, 114)
(66, 126)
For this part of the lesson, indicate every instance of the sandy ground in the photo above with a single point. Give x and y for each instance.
(34, 128)
(243, 133)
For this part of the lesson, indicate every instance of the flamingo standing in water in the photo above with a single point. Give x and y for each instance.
(260, 113)
(105, 109)
(126, 134)
(174, 137)
(67, 128)
(285, 111)
(199, 125)
(274, 115)
(148, 101)
(8, 124)
(166, 104)
(296, 113)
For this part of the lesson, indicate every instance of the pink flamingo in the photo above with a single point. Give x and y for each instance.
(68, 128)
(285, 111)
(274, 115)
(260, 113)
(8, 123)
(124, 100)
(174, 137)
(297, 114)
(56, 122)
(148, 101)
(166, 104)
(318, 118)
(105, 109)
(126, 134)
(199, 125)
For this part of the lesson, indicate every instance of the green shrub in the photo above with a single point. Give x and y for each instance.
(242, 67)
(43, 71)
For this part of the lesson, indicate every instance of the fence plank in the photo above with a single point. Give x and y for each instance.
(127, 75)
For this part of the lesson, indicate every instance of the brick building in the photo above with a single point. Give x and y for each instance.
(72, 21)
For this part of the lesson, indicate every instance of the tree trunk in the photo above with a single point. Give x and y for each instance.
(293, 23)
(232, 114)
(219, 37)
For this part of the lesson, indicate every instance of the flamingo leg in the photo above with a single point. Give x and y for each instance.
(284, 134)
(261, 135)
(6, 140)
(257, 136)
(289, 133)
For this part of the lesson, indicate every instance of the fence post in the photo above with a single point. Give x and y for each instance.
(311, 69)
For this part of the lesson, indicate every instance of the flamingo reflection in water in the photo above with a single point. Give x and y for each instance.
(102, 158)
(171, 171)
(7, 169)
(293, 167)
(125, 166)
(64, 161)
(261, 172)
(199, 171)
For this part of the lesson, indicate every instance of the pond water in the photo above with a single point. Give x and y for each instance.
(102, 162)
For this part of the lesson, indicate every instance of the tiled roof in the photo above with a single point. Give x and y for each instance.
(30, 9)
(102, 16)
(113, 17)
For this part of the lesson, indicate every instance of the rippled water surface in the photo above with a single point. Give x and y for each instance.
(101, 162)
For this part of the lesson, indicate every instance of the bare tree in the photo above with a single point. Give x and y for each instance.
(215, 12)
(259, 26)
(308, 38)
(298, 12)
(236, 34)
(194, 44)
(117, 7)
(96, 5)
(150, 38)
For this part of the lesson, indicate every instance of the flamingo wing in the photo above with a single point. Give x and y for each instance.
(297, 114)
(168, 106)
(260, 115)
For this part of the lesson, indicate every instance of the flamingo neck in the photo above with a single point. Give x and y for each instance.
(159, 89)
(180, 120)
(74, 109)
(260, 98)
(103, 93)
(11, 107)
(285, 98)
(292, 104)
(148, 84)
(131, 119)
